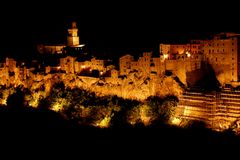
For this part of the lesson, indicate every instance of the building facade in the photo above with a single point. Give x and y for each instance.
(222, 53)
(73, 38)
(219, 110)
(72, 46)
(125, 64)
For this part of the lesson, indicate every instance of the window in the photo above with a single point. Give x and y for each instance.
(233, 44)
(233, 50)
(216, 59)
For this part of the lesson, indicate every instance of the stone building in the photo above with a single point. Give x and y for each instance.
(11, 64)
(96, 64)
(72, 46)
(70, 64)
(144, 63)
(67, 64)
(219, 110)
(222, 53)
(51, 49)
(73, 38)
(125, 64)
(193, 47)
(178, 64)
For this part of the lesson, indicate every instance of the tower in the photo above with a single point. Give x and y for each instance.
(73, 39)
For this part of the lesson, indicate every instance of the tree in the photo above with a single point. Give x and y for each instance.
(154, 102)
(168, 107)
(16, 100)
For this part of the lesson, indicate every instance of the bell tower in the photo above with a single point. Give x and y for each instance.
(73, 39)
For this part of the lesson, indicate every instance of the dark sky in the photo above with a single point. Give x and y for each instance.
(118, 27)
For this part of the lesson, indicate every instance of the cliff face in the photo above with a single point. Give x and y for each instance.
(134, 86)
(169, 86)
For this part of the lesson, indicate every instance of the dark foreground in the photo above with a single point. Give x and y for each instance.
(44, 131)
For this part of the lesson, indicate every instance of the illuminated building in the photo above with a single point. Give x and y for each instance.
(51, 49)
(193, 47)
(67, 64)
(144, 63)
(11, 64)
(114, 73)
(125, 64)
(222, 52)
(217, 109)
(71, 64)
(178, 64)
(73, 38)
(95, 64)
(73, 44)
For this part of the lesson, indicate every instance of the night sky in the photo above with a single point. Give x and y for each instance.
(112, 28)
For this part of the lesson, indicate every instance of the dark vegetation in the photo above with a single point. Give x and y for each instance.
(31, 125)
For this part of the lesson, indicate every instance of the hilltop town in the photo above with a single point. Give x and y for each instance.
(176, 69)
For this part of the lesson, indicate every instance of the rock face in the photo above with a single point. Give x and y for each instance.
(135, 86)
(169, 86)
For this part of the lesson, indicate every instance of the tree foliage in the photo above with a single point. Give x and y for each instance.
(86, 108)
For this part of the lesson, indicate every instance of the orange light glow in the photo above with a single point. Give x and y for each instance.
(165, 56)
(83, 66)
(175, 121)
(104, 123)
(188, 54)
